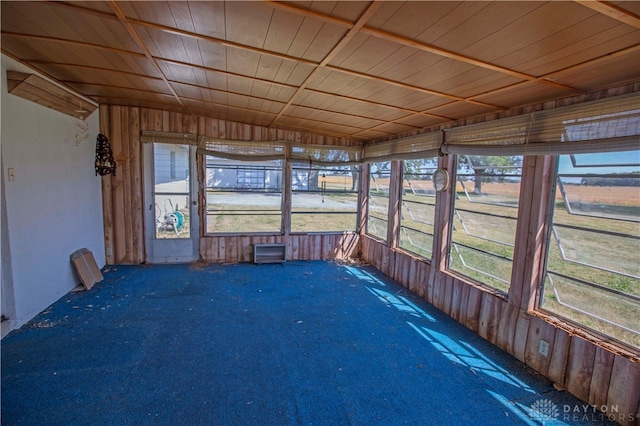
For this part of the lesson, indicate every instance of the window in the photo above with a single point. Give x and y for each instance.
(252, 178)
(418, 206)
(171, 194)
(172, 164)
(324, 198)
(243, 196)
(593, 273)
(484, 221)
(378, 204)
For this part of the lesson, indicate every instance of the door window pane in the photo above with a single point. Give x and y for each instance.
(171, 190)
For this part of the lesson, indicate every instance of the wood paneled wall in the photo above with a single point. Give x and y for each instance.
(123, 195)
(600, 373)
(233, 249)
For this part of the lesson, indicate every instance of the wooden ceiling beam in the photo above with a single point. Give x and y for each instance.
(410, 42)
(290, 86)
(291, 58)
(344, 23)
(377, 104)
(353, 31)
(72, 42)
(586, 64)
(227, 73)
(280, 102)
(222, 42)
(443, 52)
(132, 32)
(89, 67)
(612, 11)
(127, 52)
(71, 83)
(307, 13)
(414, 88)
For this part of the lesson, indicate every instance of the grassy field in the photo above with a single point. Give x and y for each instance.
(588, 256)
(483, 236)
(476, 233)
(333, 210)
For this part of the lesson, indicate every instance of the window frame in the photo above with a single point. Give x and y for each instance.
(382, 236)
(298, 165)
(431, 250)
(450, 244)
(538, 297)
(250, 165)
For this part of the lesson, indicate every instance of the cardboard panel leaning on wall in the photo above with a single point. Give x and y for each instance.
(53, 202)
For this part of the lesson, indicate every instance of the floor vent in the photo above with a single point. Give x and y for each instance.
(269, 253)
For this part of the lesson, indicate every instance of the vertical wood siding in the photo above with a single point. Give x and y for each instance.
(588, 370)
(123, 194)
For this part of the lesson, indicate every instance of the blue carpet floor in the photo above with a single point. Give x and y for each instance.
(302, 343)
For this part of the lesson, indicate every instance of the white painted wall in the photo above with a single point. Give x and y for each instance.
(52, 207)
(170, 162)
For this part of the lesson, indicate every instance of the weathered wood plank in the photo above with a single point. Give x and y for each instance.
(36, 89)
(456, 297)
(125, 172)
(602, 368)
(523, 235)
(137, 188)
(507, 327)
(222, 249)
(521, 335)
(490, 310)
(119, 234)
(539, 331)
(437, 291)
(580, 367)
(107, 193)
(464, 302)
(473, 308)
(423, 272)
(624, 390)
(559, 356)
(447, 294)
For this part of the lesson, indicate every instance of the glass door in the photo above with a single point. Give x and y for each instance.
(171, 200)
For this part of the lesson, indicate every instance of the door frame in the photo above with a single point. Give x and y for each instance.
(170, 250)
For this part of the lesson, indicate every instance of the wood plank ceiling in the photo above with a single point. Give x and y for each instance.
(354, 69)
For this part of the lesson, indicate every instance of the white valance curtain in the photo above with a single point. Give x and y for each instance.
(326, 155)
(243, 150)
(275, 150)
(150, 136)
(411, 147)
(611, 124)
(605, 125)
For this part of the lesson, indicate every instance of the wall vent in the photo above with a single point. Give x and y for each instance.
(269, 253)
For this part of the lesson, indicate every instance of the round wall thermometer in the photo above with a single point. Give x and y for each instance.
(441, 179)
